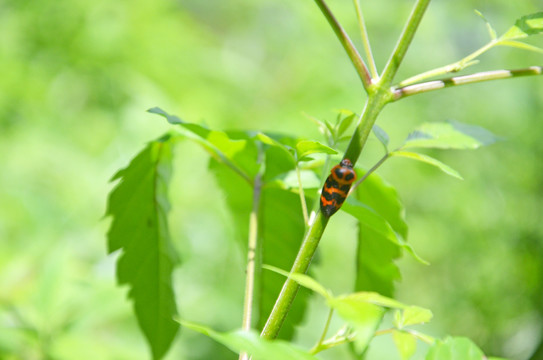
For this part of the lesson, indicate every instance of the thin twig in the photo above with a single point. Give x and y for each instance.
(369, 172)
(409, 90)
(404, 41)
(365, 39)
(347, 44)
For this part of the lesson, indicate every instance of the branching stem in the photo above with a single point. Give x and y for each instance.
(378, 97)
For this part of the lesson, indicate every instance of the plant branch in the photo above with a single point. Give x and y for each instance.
(341, 337)
(409, 90)
(290, 287)
(378, 97)
(347, 44)
(251, 260)
(450, 68)
(369, 172)
(325, 330)
(365, 39)
(404, 41)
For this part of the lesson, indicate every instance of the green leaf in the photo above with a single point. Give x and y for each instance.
(381, 135)
(525, 26)
(363, 316)
(429, 160)
(238, 154)
(308, 147)
(406, 344)
(378, 247)
(345, 122)
(238, 195)
(374, 298)
(268, 140)
(289, 180)
(281, 229)
(383, 198)
(302, 279)
(454, 348)
(412, 315)
(139, 206)
(449, 135)
(250, 342)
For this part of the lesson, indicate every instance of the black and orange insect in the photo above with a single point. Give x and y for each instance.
(337, 187)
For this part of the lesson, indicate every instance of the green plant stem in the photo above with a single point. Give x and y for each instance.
(290, 287)
(302, 195)
(316, 348)
(369, 172)
(378, 97)
(365, 39)
(404, 41)
(450, 68)
(347, 44)
(251, 260)
(464, 80)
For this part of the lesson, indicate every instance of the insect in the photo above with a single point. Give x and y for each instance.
(337, 187)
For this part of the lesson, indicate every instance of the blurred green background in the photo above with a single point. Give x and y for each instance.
(77, 77)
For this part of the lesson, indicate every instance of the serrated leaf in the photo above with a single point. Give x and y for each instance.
(139, 206)
(238, 154)
(525, 26)
(406, 344)
(308, 147)
(449, 135)
(302, 279)
(407, 247)
(250, 342)
(454, 348)
(429, 160)
(381, 135)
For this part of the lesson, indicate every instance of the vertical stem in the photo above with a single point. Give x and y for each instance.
(404, 41)
(365, 39)
(290, 287)
(251, 260)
